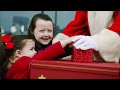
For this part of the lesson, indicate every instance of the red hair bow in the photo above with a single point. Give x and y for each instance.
(7, 40)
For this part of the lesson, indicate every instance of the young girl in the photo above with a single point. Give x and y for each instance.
(17, 52)
(41, 29)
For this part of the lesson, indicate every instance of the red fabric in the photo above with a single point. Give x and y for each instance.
(7, 40)
(21, 68)
(116, 25)
(9, 45)
(80, 26)
(82, 55)
(50, 52)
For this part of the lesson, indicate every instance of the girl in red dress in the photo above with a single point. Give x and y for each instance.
(17, 52)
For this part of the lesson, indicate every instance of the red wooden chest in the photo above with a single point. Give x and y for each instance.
(64, 69)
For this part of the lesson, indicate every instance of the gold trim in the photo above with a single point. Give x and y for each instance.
(42, 77)
(80, 68)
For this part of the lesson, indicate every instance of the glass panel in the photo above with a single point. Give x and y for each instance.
(19, 20)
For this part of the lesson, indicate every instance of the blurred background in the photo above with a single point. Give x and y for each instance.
(17, 22)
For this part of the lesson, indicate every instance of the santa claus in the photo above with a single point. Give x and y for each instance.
(98, 30)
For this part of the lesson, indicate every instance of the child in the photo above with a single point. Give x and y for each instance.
(17, 52)
(41, 29)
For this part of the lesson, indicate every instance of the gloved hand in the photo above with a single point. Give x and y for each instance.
(85, 42)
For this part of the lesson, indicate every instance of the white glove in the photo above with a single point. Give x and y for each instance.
(85, 42)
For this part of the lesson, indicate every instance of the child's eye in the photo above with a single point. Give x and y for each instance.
(49, 31)
(32, 48)
(41, 30)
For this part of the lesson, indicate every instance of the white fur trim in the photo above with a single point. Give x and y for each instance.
(59, 37)
(98, 20)
(109, 45)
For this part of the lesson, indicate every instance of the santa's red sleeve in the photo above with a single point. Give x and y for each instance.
(116, 25)
(78, 26)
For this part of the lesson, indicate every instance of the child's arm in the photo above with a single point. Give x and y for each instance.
(67, 45)
(51, 52)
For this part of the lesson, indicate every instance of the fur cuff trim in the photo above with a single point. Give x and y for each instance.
(109, 45)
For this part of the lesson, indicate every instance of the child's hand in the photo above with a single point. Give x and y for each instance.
(60, 37)
(65, 42)
(71, 44)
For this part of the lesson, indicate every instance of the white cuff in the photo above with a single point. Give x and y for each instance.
(109, 45)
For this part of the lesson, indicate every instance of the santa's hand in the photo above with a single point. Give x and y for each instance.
(85, 42)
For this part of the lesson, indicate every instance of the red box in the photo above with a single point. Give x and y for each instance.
(51, 69)
(79, 55)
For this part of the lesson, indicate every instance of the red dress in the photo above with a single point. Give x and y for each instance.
(21, 68)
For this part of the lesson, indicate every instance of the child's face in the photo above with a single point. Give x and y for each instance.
(43, 31)
(28, 49)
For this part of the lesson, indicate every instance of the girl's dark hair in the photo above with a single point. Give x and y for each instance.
(5, 54)
(33, 23)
